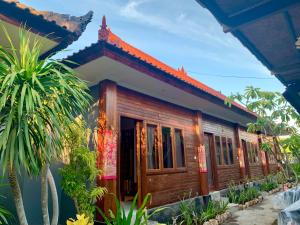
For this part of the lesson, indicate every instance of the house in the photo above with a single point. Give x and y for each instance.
(269, 30)
(161, 131)
(54, 31)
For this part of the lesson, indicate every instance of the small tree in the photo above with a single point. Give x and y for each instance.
(276, 117)
(80, 173)
(37, 99)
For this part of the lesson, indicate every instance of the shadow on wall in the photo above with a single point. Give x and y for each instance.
(31, 191)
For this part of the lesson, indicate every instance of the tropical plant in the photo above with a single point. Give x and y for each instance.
(188, 213)
(269, 184)
(80, 173)
(213, 209)
(276, 117)
(141, 216)
(37, 99)
(5, 215)
(242, 196)
(80, 220)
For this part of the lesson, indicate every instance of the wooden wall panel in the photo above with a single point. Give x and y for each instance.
(273, 168)
(226, 173)
(256, 169)
(168, 187)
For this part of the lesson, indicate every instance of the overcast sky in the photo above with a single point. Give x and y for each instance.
(177, 32)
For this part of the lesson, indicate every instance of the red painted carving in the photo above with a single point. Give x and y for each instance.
(202, 159)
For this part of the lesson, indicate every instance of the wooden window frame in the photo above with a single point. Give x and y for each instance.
(223, 165)
(184, 148)
(229, 159)
(161, 169)
(221, 154)
(158, 147)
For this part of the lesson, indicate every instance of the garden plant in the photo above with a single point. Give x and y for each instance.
(80, 172)
(140, 217)
(38, 98)
(276, 117)
(241, 196)
(190, 214)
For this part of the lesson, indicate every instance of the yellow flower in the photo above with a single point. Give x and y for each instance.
(81, 220)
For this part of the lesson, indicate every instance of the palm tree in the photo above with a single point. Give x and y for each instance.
(38, 98)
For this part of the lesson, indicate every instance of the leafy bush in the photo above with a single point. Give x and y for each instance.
(78, 181)
(269, 184)
(280, 178)
(213, 209)
(80, 171)
(5, 215)
(190, 215)
(80, 220)
(242, 196)
(123, 218)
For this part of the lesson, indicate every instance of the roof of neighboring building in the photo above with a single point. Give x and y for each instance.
(269, 29)
(61, 28)
(107, 36)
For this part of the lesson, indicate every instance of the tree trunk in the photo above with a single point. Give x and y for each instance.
(54, 196)
(44, 196)
(17, 195)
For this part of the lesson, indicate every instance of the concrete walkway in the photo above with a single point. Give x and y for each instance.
(260, 214)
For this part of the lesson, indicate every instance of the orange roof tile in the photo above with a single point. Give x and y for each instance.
(105, 34)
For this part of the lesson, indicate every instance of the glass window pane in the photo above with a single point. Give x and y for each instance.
(230, 149)
(249, 152)
(256, 153)
(224, 148)
(179, 148)
(218, 150)
(152, 150)
(167, 147)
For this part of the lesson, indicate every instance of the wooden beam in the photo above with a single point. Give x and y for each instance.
(107, 143)
(255, 13)
(240, 152)
(286, 69)
(199, 142)
(252, 48)
(246, 15)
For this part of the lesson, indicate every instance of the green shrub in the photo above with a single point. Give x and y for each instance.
(190, 215)
(5, 215)
(242, 196)
(123, 218)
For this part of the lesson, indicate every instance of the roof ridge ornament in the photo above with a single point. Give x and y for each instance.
(103, 32)
(182, 71)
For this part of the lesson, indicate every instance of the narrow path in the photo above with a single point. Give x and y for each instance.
(260, 214)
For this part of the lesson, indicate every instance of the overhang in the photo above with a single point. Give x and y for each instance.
(54, 31)
(269, 29)
(112, 58)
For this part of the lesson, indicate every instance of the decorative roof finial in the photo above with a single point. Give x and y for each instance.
(103, 25)
(103, 31)
(182, 71)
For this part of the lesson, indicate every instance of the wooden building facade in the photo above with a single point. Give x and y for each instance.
(159, 130)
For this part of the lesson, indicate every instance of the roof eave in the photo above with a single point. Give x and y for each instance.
(44, 23)
(102, 48)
